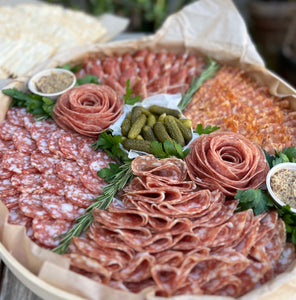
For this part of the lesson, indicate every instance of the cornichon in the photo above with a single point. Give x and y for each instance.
(148, 134)
(151, 120)
(160, 132)
(139, 145)
(136, 112)
(137, 126)
(186, 132)
(173, 130)
(156, 109)
(187, 123)
(125, 127)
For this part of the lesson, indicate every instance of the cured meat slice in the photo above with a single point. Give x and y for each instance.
(90, 265)
(31, 206)
(17, 162)
(99, 161)
(47, 230)
(226, 161)
(88, 109)
(44, 163)
(6, 188)
(7, 130)
(28, 121)
(15, 116)
(10, 201)
(138, 269)
(53, 184)
(59, 208)
(5, 146)
(94, 184)
(5, 173)
(16, 217)
(68, 144)
(53, 142)
(68, 170)
(23, 142)
(85, 150)
(42, 144)
(43, 127)
(79, 195)
(27, 183)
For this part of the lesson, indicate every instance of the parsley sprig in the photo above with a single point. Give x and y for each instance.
(168, 149)
(128, 92)
(207, 130)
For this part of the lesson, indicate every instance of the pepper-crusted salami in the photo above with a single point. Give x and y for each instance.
(88, 109)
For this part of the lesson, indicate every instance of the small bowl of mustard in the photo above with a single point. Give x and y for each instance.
(52, 83)
(281, 184)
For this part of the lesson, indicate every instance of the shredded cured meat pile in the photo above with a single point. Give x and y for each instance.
(175, 239)
(88, 109)
(226, 161)
(231, 99)
(48, 176)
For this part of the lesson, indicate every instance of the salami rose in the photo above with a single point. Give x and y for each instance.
(88, 109)
(226, 161)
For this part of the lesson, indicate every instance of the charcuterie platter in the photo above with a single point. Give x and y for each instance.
(172, 204)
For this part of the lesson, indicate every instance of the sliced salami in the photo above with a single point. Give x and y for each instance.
(5, 173)
(28, 121)
(79, 195)
(53, 142)
(31, 205)
(42, 144)
(10, 201)
(7, 130)
(68, 170)
(53, 184)
(44, 163)
(68, 144)
(94, 184)
(18, 162)
(85, 150)
(23, 142)
(28, 183)
(46, 230)
(16, 217)
(43, 127)
(15, 116)
(5, 146)
(99, 161)
(60, 208)
(6, 188)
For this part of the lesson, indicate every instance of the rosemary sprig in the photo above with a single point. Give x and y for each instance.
(209, 72)
(123, 175)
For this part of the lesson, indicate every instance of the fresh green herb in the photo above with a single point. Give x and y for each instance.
(287, 155)
(117, 175)
(111, 145)
(72, 69)
(209, 72)
(87, 79)
(289, 218)
(258, 200)
(121, 176)
(168, 149)
(128, 93)
(208, 129)
(37, 105)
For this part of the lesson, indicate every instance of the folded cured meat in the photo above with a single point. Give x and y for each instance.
(180, 242)
(226, 161)
(88, 109)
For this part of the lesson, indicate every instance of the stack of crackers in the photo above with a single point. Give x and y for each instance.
(31, 33)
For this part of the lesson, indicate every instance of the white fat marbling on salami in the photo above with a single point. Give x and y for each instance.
(42, 127)
(44, 163)
(7, 130)
(68, 170)
(16, 217)
(18, 162)
(23, 142)
(31, 205)
(28, 183)
(94, 184)
(53, 184)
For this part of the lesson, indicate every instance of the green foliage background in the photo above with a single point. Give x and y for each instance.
(144, 15)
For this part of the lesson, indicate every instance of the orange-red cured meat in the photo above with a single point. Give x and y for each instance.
(16, 217)
(28, 183)
(6, 188)
(31, 206)
(16, 116)
(53, 142)
(68, 144)
(5, 146)
(68, 170)
(53, 184)
(44, 163)
(88, 109)
(10, 201)
(226, 161)
(23, 142)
